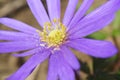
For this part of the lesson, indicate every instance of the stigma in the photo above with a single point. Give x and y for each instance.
(53, 34)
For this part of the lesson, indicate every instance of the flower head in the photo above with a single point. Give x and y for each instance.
(58, 36)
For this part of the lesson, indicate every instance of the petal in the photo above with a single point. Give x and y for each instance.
(12, 23)
(96, 20)
(7, 47)
(29, 66)
(92, 27)
(39, 11)
(28, 53)
(96, 48)
(15, 36)
(81, 12)
(69, 13)
(65, 71)
(70, 58)
(53, 67)
(53, 9)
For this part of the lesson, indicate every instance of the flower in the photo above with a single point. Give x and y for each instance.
(54, 41)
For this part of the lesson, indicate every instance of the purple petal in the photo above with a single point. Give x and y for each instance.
(54, 9)
(12, 23)
(29, 66)
(53, 67)
(96, 48)
(15, 36)
(65, 71)
(81, 12)
(39, 11)
(92, 27)
(69, 11)
(70, 58)
(6, 47)
(28, 53)
(100, 18)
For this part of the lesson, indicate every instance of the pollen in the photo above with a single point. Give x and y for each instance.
(53, 34)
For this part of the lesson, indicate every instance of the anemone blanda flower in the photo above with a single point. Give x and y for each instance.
(54, 41)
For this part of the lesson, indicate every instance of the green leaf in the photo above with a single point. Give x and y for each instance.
(116, 32)
(116, 23)
(112, 58)
(98, 35)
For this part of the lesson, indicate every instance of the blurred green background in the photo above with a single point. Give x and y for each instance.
(91, 68)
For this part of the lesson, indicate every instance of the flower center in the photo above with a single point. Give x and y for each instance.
(53, 34)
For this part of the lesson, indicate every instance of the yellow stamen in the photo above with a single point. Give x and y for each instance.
(53, 35)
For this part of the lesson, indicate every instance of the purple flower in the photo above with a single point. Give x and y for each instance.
(54, 41)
